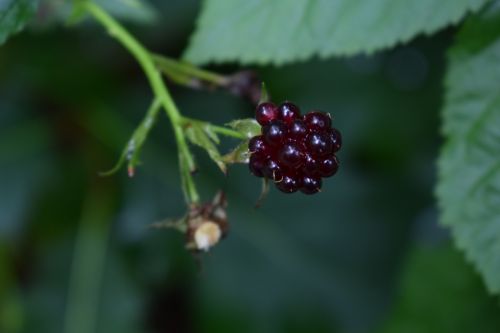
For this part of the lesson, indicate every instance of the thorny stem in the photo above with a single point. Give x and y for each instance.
(145, 59)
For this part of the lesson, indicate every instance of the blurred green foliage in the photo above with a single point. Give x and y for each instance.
(365, 255)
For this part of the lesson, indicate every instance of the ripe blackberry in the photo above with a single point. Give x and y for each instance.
(274, 132)
(257, 144)
(298, 129)
(292, 155)
(328, 166)
(319, 143)
(310, 185)
(288, 112)
(272, 170)
(294, 151)
(318, 120)
(336, 139)
(265, 112)
(256, 164)
(289, 183)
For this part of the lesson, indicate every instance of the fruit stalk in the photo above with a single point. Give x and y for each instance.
(144, 58)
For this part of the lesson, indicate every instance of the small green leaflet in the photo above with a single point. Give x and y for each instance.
(130, 153)
(278, 32)
(239, 154)
(248, 127)
(469, 165)
(14, 14)
(199, 133)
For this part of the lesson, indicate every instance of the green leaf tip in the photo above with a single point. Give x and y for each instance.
(240, 154)
(132, 149)
(264, 95)
(248, 127)
(198, 133)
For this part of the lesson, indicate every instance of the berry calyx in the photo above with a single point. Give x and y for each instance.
(295, 152)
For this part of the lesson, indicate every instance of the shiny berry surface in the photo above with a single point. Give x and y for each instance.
(274, 132)
(265, 112)
(288, 112)
(256, 164)
(291, 155)
(272, 170)
(336, 139)
(295, 152)
(318, 121)
(311, 165)
(319, 144)
(289, 184)
(328, 166)
(310, 185)
(298, 129)
(257, 145)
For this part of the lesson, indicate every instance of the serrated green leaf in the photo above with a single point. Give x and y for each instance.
(196, 134)
(469, 165)
(14, 14)
(248, 127)
(278, 32)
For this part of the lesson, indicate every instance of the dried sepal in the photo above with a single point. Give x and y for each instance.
(207, 223)
(204, 225)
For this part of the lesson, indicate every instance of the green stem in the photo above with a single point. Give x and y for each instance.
(217, 129)
(185, 72)
(228, 132)
(144, 58)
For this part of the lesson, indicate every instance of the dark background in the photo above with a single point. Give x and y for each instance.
(365, 255)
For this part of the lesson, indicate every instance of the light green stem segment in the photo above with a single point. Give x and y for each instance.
(217, 129)
(143, 56)
(183, 72)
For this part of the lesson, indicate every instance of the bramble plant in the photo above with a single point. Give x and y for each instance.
(468, 186)
(204, 134)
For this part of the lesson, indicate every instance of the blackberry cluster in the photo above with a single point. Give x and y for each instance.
(295, 151)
